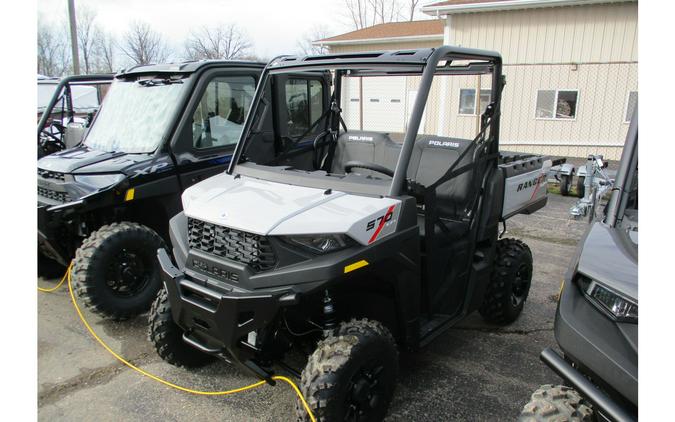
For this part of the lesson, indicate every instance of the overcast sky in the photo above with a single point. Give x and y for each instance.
(274, 26)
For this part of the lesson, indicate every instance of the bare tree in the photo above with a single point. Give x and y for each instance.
(218, 42)
(385, 11)
(105, 50)
(52, 50)
(305, 44)
(143, 45)
(87, 32)
(412, 8)
(365, 13)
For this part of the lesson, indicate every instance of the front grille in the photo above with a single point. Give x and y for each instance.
(52, 194)
(248, 248)
(46, 174)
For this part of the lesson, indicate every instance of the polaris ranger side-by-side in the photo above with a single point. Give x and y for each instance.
(107, 202)
(351, 243)
(65, 109)
(596, 322)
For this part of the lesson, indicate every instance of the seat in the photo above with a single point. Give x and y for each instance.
(369, 147)
(432, 157)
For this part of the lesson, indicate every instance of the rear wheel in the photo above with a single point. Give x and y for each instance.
(167, 337)
(565, 184)
(552, 403)
(351, 375)
(510, 284)
(115, 271)
(581, 188)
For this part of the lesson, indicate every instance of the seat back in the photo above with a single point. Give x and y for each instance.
(432, 157)
(369, 147)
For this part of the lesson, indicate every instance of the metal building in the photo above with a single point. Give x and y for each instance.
(571, 68)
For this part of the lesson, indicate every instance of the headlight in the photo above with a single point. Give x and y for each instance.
(99, 180)
(321, 243)
(621, 308)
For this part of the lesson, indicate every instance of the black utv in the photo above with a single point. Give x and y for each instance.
(66, 108)
(345, 240)
(107, 201)
(596, 322)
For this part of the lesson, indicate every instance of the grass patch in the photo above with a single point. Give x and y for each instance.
(554, 188)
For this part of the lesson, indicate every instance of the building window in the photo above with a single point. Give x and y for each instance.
(557, 104)
(631, 103)
(467, 101)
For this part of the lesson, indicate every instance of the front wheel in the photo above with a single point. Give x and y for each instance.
(510, 283)
(552, 403)
(167, 337)
(351, 375)
(115, 271)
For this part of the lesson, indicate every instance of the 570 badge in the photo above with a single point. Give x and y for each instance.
(379, 222)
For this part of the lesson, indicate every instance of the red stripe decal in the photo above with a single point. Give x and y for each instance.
(536, 188)
(379, 228)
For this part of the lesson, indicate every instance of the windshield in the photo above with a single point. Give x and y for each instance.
(135, 116)
(354, 145)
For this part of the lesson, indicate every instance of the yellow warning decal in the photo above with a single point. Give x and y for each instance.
(355, 266)
(129, 195)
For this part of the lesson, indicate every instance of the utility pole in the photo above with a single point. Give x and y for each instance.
(73, 37)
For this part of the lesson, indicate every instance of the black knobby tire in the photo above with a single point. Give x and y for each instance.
(167, 336)
(116, 272)
(552, 403)
(565, 184)
(510, 282)
(581, 188)
(48, 268)
(350, 372)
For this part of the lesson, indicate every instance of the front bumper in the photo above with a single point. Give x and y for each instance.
(52, 228)
(220, 319)
(601, 402)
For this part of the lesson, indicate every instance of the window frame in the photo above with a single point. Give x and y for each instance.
(181, 142)
(625, 105)
(475, 100)
(555, 103)
(203, 92)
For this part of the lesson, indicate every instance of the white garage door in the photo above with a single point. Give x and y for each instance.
(384, 103)
(351, 103)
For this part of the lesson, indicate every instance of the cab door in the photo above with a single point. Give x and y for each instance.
(212, 123)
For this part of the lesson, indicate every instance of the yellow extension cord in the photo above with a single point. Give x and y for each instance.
(163, 381)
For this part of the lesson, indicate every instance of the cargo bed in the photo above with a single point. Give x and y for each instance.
(525, 182)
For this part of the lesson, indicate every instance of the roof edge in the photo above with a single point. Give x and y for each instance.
(380, 40)
(490, 6)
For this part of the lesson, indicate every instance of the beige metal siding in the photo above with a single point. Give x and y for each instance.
(594, 33)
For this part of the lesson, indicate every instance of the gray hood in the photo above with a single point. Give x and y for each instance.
(610, 257)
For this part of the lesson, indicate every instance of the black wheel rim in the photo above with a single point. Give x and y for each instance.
(364, 392)
(520, 284)
(128, 273)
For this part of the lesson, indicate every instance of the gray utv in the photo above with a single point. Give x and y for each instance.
(345, 239)
(596, 324)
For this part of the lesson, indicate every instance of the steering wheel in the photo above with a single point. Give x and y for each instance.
(368, 166)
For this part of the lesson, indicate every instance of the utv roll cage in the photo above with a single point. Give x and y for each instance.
(393, 63)
(63, 91)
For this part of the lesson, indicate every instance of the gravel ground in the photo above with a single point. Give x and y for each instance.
(472, 372)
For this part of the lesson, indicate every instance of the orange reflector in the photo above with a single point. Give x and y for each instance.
(129, 195)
